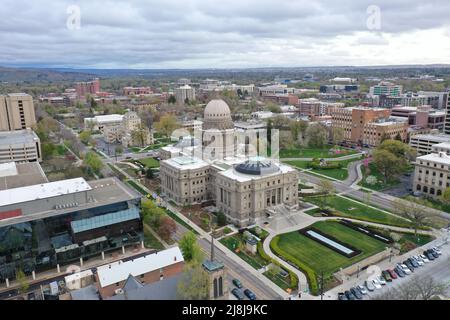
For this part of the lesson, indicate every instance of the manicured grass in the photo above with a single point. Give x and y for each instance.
(234, 241)
(150, 241)
(344, 207)
(149, 162)
(339, 174)
(300, 250)
(180, 221)
(435, 204)
(137, 187)
(315, 152)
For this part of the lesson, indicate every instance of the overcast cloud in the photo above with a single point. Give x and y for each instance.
(225, 33)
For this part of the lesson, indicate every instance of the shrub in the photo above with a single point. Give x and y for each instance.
(310, 274)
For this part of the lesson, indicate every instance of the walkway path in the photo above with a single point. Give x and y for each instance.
(343, 158)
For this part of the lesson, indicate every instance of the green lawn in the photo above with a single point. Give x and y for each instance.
(339, 174)
(149, 162)
(150, 241)
(233, 242)
(315, 152)
(298, 248)
(347, 208)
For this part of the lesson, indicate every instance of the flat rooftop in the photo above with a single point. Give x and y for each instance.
(243, 177)
(432, 137)
(440, 158)
(16, 175)
(110, 274)
(17, 137)
(98, 193)
(106, 118)
(185, 162)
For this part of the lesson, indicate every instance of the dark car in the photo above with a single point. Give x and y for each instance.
(349, 295)
(399, 271)
(342, 296)
(250, 294)
(413, 262)
(356, 293)
(386, 276)
(392, 274)
(237, 283)
(433, 253)
(409, 265)
(237, 293)
(428, 255)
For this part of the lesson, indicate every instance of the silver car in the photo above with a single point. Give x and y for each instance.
(362, 289)
(369, 285)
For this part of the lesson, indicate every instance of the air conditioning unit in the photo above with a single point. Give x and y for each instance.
(118, 291)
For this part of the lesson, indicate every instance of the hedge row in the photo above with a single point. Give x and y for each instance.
(310, 274)
(328, 165)
(293, 279)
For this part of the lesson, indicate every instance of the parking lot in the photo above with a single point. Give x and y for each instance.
(438, 269)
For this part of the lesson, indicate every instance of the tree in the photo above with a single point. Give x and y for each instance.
(337, 134)
(118, 150)
(414, 211)
(194, 283)
(327, 188)
(221, 219)
(317, 135)
(384, 137)
(152, 214)
(149, 173)
(273, 107)
(139, 135)
(48, 149)
(387, 163)
(85, 136)
(166, 125)
(23, 283)
(190, 248)
(418, 288)
(172, 99)
(298, 129)
(399, 149)
(167, 228)
(93, 161)
(398, 137)
(446, 195)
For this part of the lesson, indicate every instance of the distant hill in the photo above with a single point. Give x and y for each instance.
(41, 75)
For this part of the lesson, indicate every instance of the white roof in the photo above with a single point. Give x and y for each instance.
(442, 145)
(107, 118)
(186, 162)
(42, 191)
(8, 169)
(117, 272)
(440, 157)
(78, 275)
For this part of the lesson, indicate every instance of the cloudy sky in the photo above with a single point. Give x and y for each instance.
(225, 33)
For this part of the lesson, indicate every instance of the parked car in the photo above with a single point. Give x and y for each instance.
(409, 265)
(369, 285)
(433, 253)
(376, 284)
(342, 296)
(424, 259)
(237, 283)
(249, 293)
(381, 280)
(428, 255)
(413, 262)
(387, 276)
(399, 271)
(437, 250)
(392, 274)
(405, 269)
(349, 295)
(418, 260)
(356, 293)
(237, 293)
(362, 289)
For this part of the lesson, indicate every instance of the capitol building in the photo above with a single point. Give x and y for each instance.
(226, 164)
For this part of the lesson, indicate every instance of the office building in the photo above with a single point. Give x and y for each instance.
(423, 143)
(185, 93)
(20, 146)
(432, 174)
(16, 112)
(87, 87)
(57, 223)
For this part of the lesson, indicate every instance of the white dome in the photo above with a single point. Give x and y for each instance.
(217, 109)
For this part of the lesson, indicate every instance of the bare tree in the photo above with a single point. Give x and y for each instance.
(413, 211)
(418, 288)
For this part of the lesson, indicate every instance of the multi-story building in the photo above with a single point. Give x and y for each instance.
(313, 107)
(441, 147)
(447, 116)
(385, 88)
(423, 116)
(87, 87)
(16, 112)
(58, 223)
(339, 88)
(432, 174)
(363, 125)
(192, 125)
(121, 128)
(437, 100)
(137, 91)
(423, 143)
(20, 146)
(242, 186)
(184, 93)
